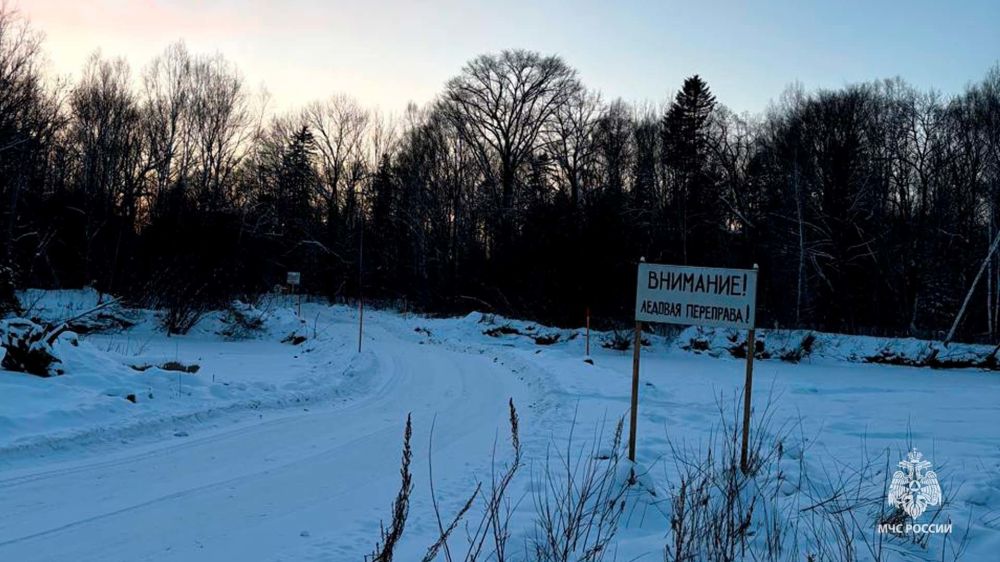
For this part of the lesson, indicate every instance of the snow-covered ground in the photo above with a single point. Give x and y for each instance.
(274, 451)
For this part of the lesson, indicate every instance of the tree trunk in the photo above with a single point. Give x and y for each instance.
(972, 289)
(506, 226)
(802, 246)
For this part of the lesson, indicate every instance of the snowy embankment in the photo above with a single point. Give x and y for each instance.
(305, 462)
(128, 379)
(800, 345)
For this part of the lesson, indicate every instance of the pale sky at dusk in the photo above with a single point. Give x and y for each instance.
(386, 53)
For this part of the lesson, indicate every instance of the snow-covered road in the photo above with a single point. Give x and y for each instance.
(283, 486)
(277, 452)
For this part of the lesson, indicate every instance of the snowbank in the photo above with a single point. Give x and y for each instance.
(801, 345)
(119, 381)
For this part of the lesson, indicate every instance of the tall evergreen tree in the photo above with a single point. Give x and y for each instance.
(383, 232)
(694, 193)
(297, 179)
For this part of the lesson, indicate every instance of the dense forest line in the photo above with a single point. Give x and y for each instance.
(869, 208)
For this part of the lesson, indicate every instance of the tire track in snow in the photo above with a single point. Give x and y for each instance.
(160, 448)
(418, 378)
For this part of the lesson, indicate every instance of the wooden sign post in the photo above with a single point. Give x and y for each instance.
(747, 387)
(634, 415)
(698, 296)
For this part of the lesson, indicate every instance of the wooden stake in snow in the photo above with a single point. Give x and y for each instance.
(588, 331)
(361, 284)
(747, 389)
(972, 289)
(634, 414)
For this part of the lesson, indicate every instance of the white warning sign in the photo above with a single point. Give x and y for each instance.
(701, 296)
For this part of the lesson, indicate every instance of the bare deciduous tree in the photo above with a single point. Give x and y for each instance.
(571, 141)
(167, 98)
(340, 126)
(500, 105)
(220, 119)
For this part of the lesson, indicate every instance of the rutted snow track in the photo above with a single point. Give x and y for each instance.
(303, 485)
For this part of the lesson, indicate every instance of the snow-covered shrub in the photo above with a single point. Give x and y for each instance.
(531, 331)
(617, 340)
(180, 316)
(183, 306)
(28, 347)
(721, 341)
(620, 340)
(547, 338)
(803, 348)
(502, 330)
(696, 340)
(242, 320)
(738, 347)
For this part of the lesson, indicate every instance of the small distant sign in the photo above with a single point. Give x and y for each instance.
(294, 278)
(700, 296)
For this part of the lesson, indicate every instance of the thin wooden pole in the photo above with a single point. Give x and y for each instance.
(747, 389)
(588, 331)
(361, 286)
(636, 349)
(361, 321)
